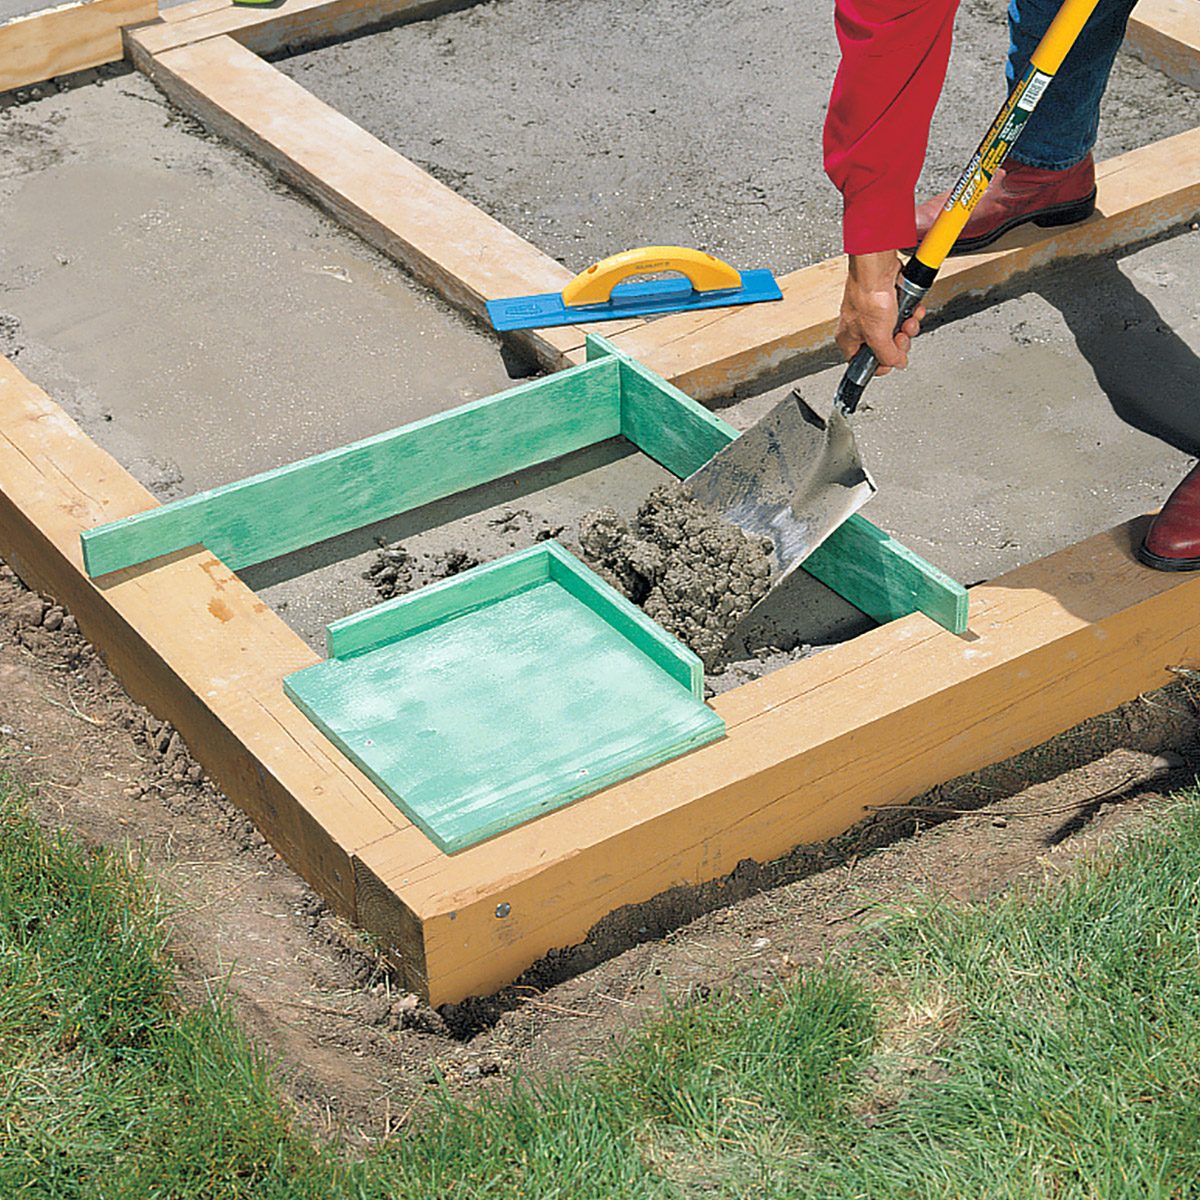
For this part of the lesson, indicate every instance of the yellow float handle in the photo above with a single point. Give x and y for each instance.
(595, 285)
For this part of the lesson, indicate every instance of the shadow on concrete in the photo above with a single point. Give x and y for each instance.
(1149, 374)
(510, 489)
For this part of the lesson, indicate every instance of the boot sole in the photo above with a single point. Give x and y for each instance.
(1046, 218)
(1158, 563)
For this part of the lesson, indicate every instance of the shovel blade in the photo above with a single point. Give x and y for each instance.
(794, 477)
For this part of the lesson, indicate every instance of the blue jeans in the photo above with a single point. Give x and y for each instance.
(1062, 130)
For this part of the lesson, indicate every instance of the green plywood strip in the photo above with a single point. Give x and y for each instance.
(885, 579)
(331, 493)
(437, 602)
(506, 708)
(864, 565)
(627, 619)
(663, 422)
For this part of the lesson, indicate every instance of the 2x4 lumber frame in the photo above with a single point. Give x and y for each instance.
(710, 355)
(305, 502)
(1165, 34)
(71, 37)
(279, 28)
(878, 720)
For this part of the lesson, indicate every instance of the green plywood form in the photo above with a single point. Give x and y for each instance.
(885, 579)
(520, 686)
(612, 394)
(331, 493)
(859, 561)
(493, 581)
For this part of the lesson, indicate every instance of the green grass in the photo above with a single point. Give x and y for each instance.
(108, 1087)
(1046, 1044)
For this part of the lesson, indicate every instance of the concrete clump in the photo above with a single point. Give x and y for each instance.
(694, 573)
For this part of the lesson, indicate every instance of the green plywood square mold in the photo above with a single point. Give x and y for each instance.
(487, 699)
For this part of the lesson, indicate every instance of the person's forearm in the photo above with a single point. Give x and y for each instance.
(894, 55)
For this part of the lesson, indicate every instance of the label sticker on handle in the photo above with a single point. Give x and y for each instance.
(1033, 91)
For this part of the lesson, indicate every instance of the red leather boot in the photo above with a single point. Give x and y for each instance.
(1172, 543)
(1019, 194)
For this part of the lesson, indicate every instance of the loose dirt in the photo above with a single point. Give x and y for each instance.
(356, 1054)
(597, 125)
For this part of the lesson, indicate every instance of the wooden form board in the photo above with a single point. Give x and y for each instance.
(68, 38)
(1166, 35)
(305, 502)
(197, 62)
(277, 28)
(189, 640)
(877, 720)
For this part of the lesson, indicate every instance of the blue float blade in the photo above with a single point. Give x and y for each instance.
(629, 300)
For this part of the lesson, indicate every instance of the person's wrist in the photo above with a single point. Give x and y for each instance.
(874, 272)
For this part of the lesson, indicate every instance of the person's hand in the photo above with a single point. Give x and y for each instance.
(869, 312)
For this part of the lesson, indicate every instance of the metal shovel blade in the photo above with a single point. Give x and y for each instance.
(794, 477)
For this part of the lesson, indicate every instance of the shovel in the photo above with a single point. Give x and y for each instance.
(794, 477)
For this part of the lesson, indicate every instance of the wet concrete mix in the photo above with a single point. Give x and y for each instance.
(696, 575)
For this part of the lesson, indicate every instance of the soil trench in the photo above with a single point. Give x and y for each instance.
(358, 1056)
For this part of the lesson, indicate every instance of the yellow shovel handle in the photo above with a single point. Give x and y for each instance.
(595, 285)
(1044, 64)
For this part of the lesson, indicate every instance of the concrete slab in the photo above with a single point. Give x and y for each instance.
(597, 125)
(199, 319)
(19, 8)
(203, 324)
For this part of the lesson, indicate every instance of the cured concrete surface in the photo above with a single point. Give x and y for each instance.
(596, 125)
(202, 324)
